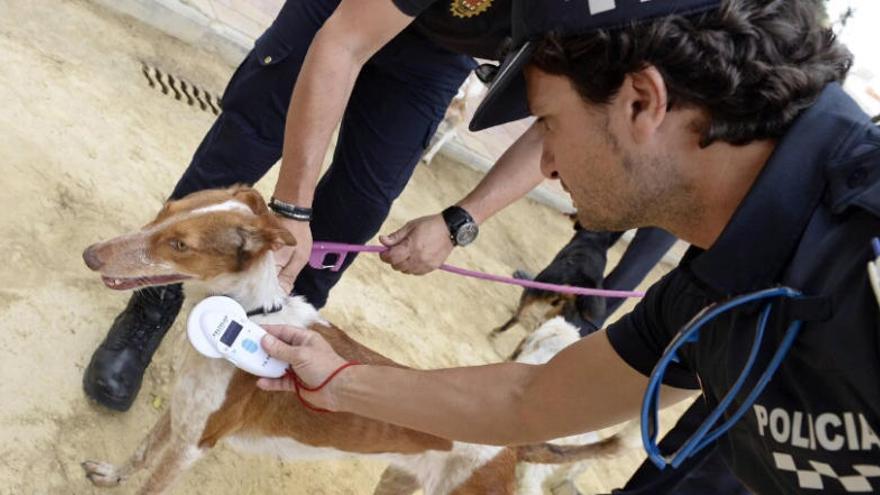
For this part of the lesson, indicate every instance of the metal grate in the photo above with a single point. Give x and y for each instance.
(181, 90)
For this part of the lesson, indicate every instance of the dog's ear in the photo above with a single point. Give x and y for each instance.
(255, 239)
(250, 197)
(166, 211)
(274, 233)
(282, 237)
(251, 239)
(246, 242)
(591, 308)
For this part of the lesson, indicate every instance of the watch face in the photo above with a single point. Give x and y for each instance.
(466, 234)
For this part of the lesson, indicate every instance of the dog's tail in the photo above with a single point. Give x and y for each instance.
(550, 453)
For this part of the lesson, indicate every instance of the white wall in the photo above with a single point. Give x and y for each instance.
(228, 27)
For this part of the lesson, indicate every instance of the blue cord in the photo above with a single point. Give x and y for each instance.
(703, 430)
(689, 334)
(787, 341)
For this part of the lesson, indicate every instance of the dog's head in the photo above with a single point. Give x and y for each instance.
(202, 236)
(581, 263)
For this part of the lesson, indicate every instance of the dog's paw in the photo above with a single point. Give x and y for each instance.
(101, 473)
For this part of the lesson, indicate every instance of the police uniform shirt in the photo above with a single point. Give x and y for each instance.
(806, 223)
(473, 27)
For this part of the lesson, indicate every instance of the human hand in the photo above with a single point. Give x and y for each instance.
(290, 260)
(419, 247)
(311, 358)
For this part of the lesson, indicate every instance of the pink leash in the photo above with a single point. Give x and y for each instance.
(320, 250)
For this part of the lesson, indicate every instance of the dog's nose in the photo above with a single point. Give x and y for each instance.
(90, 256)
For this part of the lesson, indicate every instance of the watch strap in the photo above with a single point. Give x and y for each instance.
(456, 217)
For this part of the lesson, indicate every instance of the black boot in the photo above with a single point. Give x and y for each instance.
(116, 370)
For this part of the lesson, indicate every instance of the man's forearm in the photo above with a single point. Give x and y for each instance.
(585, 387)
(476, 404)
(356, 30)
(319, 98)
(517, 172)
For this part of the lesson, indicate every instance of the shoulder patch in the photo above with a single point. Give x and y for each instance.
(469, 8)
(857, 183)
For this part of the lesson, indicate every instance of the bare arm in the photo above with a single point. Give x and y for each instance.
(585, 387)
(516, 172)
(423, 244)
(354, 32)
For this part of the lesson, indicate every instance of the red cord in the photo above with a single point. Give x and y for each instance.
(299, 385)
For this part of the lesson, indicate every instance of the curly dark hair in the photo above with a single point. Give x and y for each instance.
(752, 65)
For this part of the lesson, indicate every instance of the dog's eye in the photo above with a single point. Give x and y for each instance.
(179, 245)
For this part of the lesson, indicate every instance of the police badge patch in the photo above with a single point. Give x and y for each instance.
(469, 8)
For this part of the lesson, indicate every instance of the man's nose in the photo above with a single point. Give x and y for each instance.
(548, 165)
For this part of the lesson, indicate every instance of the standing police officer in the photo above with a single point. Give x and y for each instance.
(729, 128)
(388, 80)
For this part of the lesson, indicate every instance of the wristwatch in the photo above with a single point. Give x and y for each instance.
(462, 227)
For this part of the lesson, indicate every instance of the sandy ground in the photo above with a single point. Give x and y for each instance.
(88, 151)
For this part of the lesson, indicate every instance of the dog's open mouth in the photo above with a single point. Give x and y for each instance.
(120, 283)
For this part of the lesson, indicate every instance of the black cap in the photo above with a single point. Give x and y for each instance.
(531, 19)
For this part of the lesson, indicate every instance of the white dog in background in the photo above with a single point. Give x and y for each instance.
(456, 115)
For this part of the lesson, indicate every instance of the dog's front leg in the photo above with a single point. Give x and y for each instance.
(175, 459)
(506, 326)
(105, 474)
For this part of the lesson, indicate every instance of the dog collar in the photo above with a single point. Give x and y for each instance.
(264, 311)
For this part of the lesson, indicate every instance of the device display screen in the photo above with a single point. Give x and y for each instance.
(231, 333)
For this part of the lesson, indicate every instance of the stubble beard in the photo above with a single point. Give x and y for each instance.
(653, 195)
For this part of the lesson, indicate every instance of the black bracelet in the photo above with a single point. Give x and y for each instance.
(290, 211)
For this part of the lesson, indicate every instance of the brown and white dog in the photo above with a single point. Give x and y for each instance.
(223, 241)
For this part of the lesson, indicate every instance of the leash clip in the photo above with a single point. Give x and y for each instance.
(319, 255)
(320, 251)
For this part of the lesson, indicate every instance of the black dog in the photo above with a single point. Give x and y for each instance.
(580, 263)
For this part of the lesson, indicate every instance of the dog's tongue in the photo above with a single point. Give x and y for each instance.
(133, 283)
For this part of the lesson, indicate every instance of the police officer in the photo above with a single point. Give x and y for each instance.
(386, 70)
(729, 128)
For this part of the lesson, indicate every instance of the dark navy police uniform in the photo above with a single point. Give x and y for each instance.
(806, 223)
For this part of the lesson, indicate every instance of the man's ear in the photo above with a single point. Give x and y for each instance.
(644, 99)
